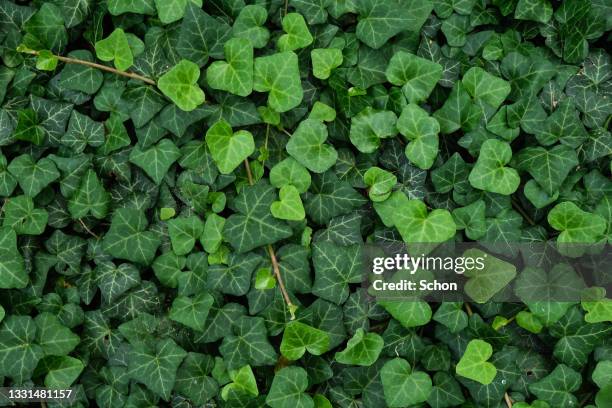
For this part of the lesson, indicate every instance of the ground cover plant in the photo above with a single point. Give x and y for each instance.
(187, 185)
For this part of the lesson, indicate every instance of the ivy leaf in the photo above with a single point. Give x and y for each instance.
(330, 197)
(451, 315)
(83, 131)
(54, 338)
(576, 225)
(115, 48)
(489, 173)
(254, 226)
(184, 231)
(20, 214)
(299, 338)
(533, 10)
(421, 130)
(379, 20)
(417, 76)
(180, 84)
(485, 87)
(471, 218)
(191, 310)
(247, 344)
(416, 225)
(290, 172)
(549, 168)
(297, 35)
(289, 206)
(557, 387)
(380, 183)
(485, 282)
(288, 389)
(458, 111)
(118, 7)
(235, 75)
(279, 75)
(335, 267)
(170, 11)
(114, 281)
(445, 392)
(156, 368)
(410, 313)
(19, 353)
(28, 128)
(362, 349)
(13, 272)
(243, 381)
(369, 127)
(324, 61)
(90, 198)
(47, 26)
(402, 385)
(474, 365)
(228, 149)
(128, 237)
(307, 146)
(249, 25)
(33, 176)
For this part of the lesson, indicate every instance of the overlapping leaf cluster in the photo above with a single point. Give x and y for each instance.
(138, 252)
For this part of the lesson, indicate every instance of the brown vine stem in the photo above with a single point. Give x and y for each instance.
(273, 259)
(507, 398)
(90, 64)
(88, 230)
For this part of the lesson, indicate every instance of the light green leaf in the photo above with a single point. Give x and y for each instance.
(290, 172)
(170, 11)
(279, 75)
(380, 183)
(228, 149)
(117, 7)
(297, 35)
(62, 371)
(324, 60)
(417, 76)
(416, 225)
(180, 84)
(184, 231)
(369, 127)
(576, 225)
(362, 349)
(485, 87)
(474, 365)
(299, 338)
(289, 207)
(403, 386)
(115, 48)
(235, 75)
(534, 10)
(322, 112)
(410, 313)
(489, 173)
(421, 131)
(307, 146)
(243, 381)
(250, 25)
(288, 389)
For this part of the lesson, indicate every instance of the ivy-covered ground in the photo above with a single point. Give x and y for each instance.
(181, 178)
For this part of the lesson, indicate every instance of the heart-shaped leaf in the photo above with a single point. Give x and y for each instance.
(369, 127)
(362, 349)
(235, 75)
(576, 225)
(485, 87)
(170, 11)
(289, 207)
(548, 167)
(307, 146)
(243, 381)
(279, 75)
(324, 60)
(288, 389)
(486, 281)
(557, 387)
(20, 214)
(380, 183)
(31, 175)
(402, 386)
(115, 48)
(180, 84)
(297, 35)
(156, 160)
(421, 130)
(299, 338)
(191, 310)
(417, 76)
(489, 173)
(289, 171)
(249, 25)
(228, 149)
(474, 365)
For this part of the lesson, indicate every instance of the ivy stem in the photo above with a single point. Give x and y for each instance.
(87, 229)
(90, 64)
(273, 259)
(520, 209)
(507, 398)
(286, 6)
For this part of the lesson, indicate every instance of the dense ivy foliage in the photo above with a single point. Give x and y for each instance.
(186, 186)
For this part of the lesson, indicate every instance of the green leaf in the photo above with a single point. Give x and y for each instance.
(19, 354)
(534, 10)
(228, 149)
(324, 61)
(128, 237)
(114, 281)
(576, 225)
(180, 84)
(299, 338)
(471, 218)
(322, 112)
(380, 183)
(54, 338)
(335, 267)
(289, 206)
(290, 172)
(369, 127)
(47, 26)
(191, 310)
(115, 48)
(235, 75)
(602, 375)
(485, 87)
(20, 214)
(193, 380)
(549, 168)
(362, 349)
(117, 7)
(416, 225)
(489, 172)
(83, 131)
(379, 20)
(557, 387)
(489, 277)
(184, 231)
(46, 61)
(410, 313)
(201, 36)
(170, 11)
(474, 365)
(330, 197)
(403, 386)
(33, 176)
(307, 146)
(156, 160)
(288, 389)
(243, 381)
(417, 76)
(458, 111)
(421, 131)
(28, 127)
(297, 35)
(250, 25)
(247, 344)
(62, 371)
(157, 368)
(90, 198)
(279, 75)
